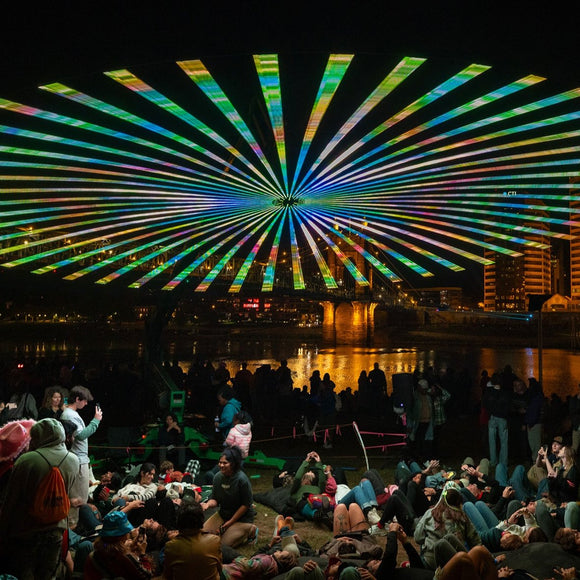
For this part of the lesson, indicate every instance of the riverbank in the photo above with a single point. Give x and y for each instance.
(524, 333)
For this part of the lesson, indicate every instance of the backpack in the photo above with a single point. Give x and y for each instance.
(51, 502)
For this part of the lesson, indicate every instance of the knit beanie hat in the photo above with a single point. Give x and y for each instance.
(14, 438)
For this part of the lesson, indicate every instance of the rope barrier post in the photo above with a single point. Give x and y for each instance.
(362, 444)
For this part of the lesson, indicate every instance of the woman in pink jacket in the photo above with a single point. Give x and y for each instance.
(240, 434)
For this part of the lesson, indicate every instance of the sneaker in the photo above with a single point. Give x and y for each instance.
(288, 522)
(374, 530)
(327, 445)
(254, 540)
(278, 525)
(373, 516)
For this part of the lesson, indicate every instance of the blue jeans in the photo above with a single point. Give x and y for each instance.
(519, 481)
(498, 427)
(363, 495)
(480, 515)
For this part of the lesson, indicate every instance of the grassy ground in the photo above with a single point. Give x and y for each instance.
(462, 438)
(316, 535)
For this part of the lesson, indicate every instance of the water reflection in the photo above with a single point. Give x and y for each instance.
(561, 368)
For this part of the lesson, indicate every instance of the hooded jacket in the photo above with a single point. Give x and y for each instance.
(227, 415)
(47, 436)
(241, 436)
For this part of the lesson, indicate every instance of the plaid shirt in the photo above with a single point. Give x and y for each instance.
(439, 416)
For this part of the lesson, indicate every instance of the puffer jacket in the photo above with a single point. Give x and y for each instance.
(240, 435)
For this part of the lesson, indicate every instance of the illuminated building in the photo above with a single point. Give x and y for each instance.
(575, 244)
(512, 278)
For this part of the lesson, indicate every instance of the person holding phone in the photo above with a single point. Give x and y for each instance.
(79, 398)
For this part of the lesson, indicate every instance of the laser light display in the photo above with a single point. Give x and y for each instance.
(285, 170)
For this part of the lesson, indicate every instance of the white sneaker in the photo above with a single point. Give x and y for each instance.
(373, 516)
(374, 530)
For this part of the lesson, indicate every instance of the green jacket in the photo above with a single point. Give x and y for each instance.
(297, 490)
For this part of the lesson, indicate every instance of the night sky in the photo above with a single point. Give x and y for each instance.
(66, 41)
(56, 41)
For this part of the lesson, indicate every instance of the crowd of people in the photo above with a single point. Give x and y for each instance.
(164, 519)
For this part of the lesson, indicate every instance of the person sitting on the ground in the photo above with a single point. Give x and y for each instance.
(171, 441)
(562, 482)
(539, 471)
(240, 434)
(232, 494)
(445, 519)
(116, 554)
(192, 552)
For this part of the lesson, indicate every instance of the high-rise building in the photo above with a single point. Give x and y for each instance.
(575, 245)
(511, 279)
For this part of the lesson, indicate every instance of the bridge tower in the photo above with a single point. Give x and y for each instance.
(350, 316)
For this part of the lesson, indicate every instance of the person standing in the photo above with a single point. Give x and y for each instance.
(230, 406)
(32, 549)
(79, 397)
(497, 402)
(422, 419)
(378, 389)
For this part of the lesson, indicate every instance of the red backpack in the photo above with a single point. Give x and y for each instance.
(51, 502)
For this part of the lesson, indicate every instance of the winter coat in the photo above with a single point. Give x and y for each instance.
(240, 435)
(427, 534)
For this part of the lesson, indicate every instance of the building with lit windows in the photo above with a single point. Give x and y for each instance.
(575, 245)
(511, 279)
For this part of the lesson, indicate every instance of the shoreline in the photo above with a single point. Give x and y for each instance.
(512, 335)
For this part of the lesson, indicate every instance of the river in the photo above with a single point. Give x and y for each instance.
(305, 352)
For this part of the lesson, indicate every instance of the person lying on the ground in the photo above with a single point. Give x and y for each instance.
(397, 506)
(259, 566)
(499, 535)
(419, 495)
(386, 568)
(447, 517)
(551, 518)
(362, 495)
(435, 476)
(310, 478)
(323, 503)
(350, 531)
